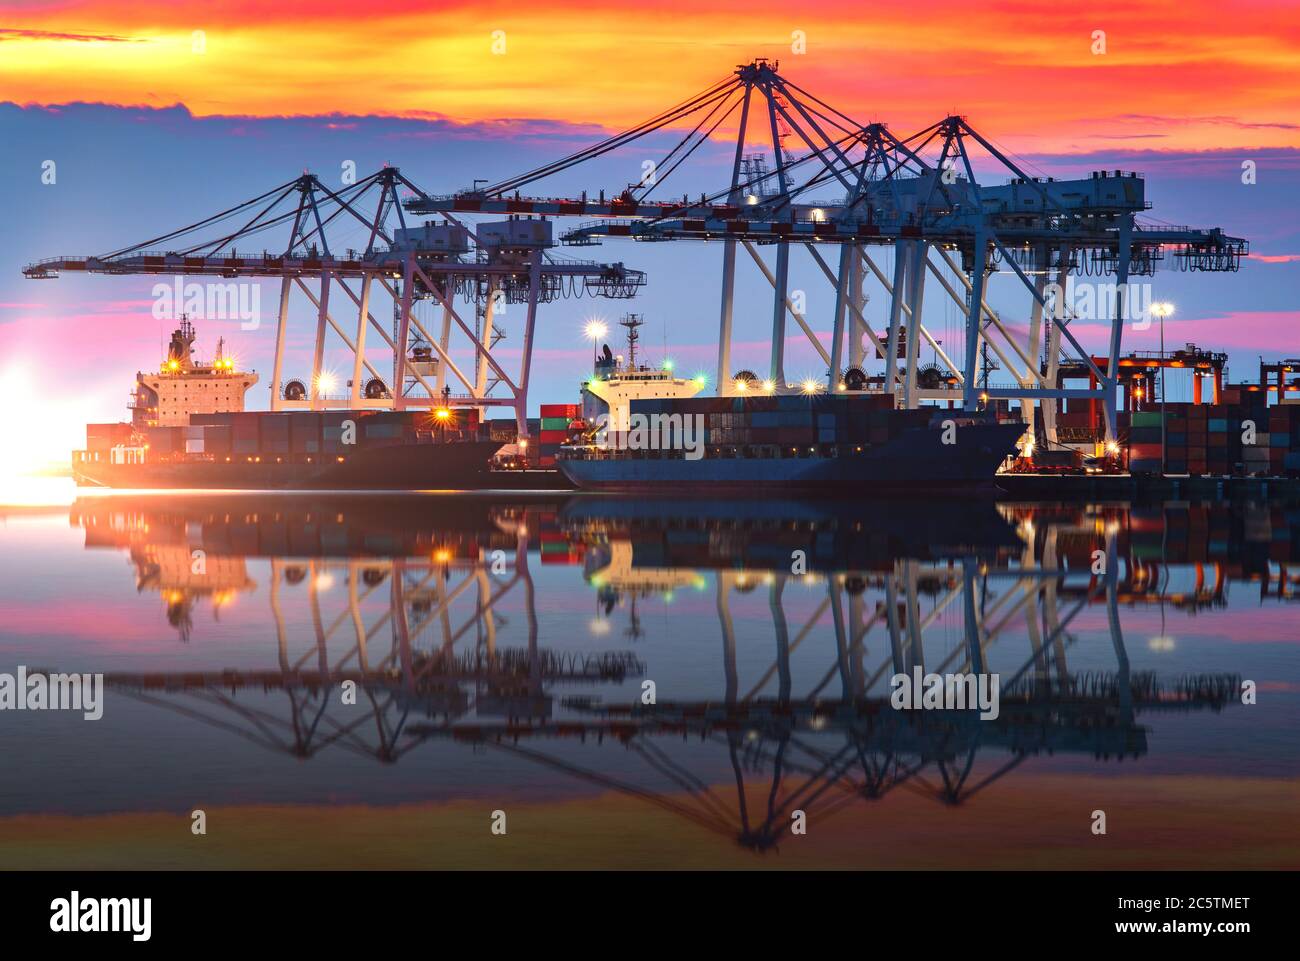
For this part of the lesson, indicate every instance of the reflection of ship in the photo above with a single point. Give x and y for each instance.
(189, 430)
(418, 627)
(707, 532)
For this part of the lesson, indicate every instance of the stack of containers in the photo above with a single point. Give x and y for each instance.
(1255, 451)
(276, 434)
(503, 429)
(304, 433)
(165, 441)
(332, 431)
(194, 438)
(245, 437)
(216, 440)
(104, 437)
(466, 422)
(1216, 440)
(1284, 437)
(795, 421)
(1176, 440)
(1144, 442)
(1198, 421)
(554, 430)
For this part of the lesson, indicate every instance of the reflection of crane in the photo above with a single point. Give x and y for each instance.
(419, 598)
(833, 743)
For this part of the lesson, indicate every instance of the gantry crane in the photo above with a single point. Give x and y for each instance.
(506, 262)
(920, 197)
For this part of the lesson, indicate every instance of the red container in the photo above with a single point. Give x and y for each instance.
(560, 410)
(552, 436)
(102, 437)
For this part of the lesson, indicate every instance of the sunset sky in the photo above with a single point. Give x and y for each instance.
(159, 114)
(1190, 75)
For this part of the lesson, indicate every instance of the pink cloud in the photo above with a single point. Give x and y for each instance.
(1274, 258)
(1242, 331)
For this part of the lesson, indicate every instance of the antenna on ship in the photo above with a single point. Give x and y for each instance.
(632, 322)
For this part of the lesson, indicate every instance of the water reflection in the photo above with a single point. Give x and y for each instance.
(409, 599)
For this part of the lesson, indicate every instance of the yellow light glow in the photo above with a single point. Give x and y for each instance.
(741, 385)
(36, 446)
(810, 386)
(442, 413)
(595, 329)
(769, 386)
(326, 382)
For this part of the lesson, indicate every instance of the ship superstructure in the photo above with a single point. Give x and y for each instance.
(183, 386)
(617, 381)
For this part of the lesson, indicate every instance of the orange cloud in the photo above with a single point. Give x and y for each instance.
(1211, 75)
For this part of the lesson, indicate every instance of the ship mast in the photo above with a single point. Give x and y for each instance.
(632, 322)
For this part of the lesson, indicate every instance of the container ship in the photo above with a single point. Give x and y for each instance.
(189, 430)
(830, 442)
(646, 430)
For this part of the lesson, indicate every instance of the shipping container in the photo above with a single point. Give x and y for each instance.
(561, 410)
(304, 433)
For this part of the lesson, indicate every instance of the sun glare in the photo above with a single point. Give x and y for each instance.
(35, 445)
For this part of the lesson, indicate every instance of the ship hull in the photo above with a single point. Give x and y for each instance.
(917, 460)
(425, 466)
